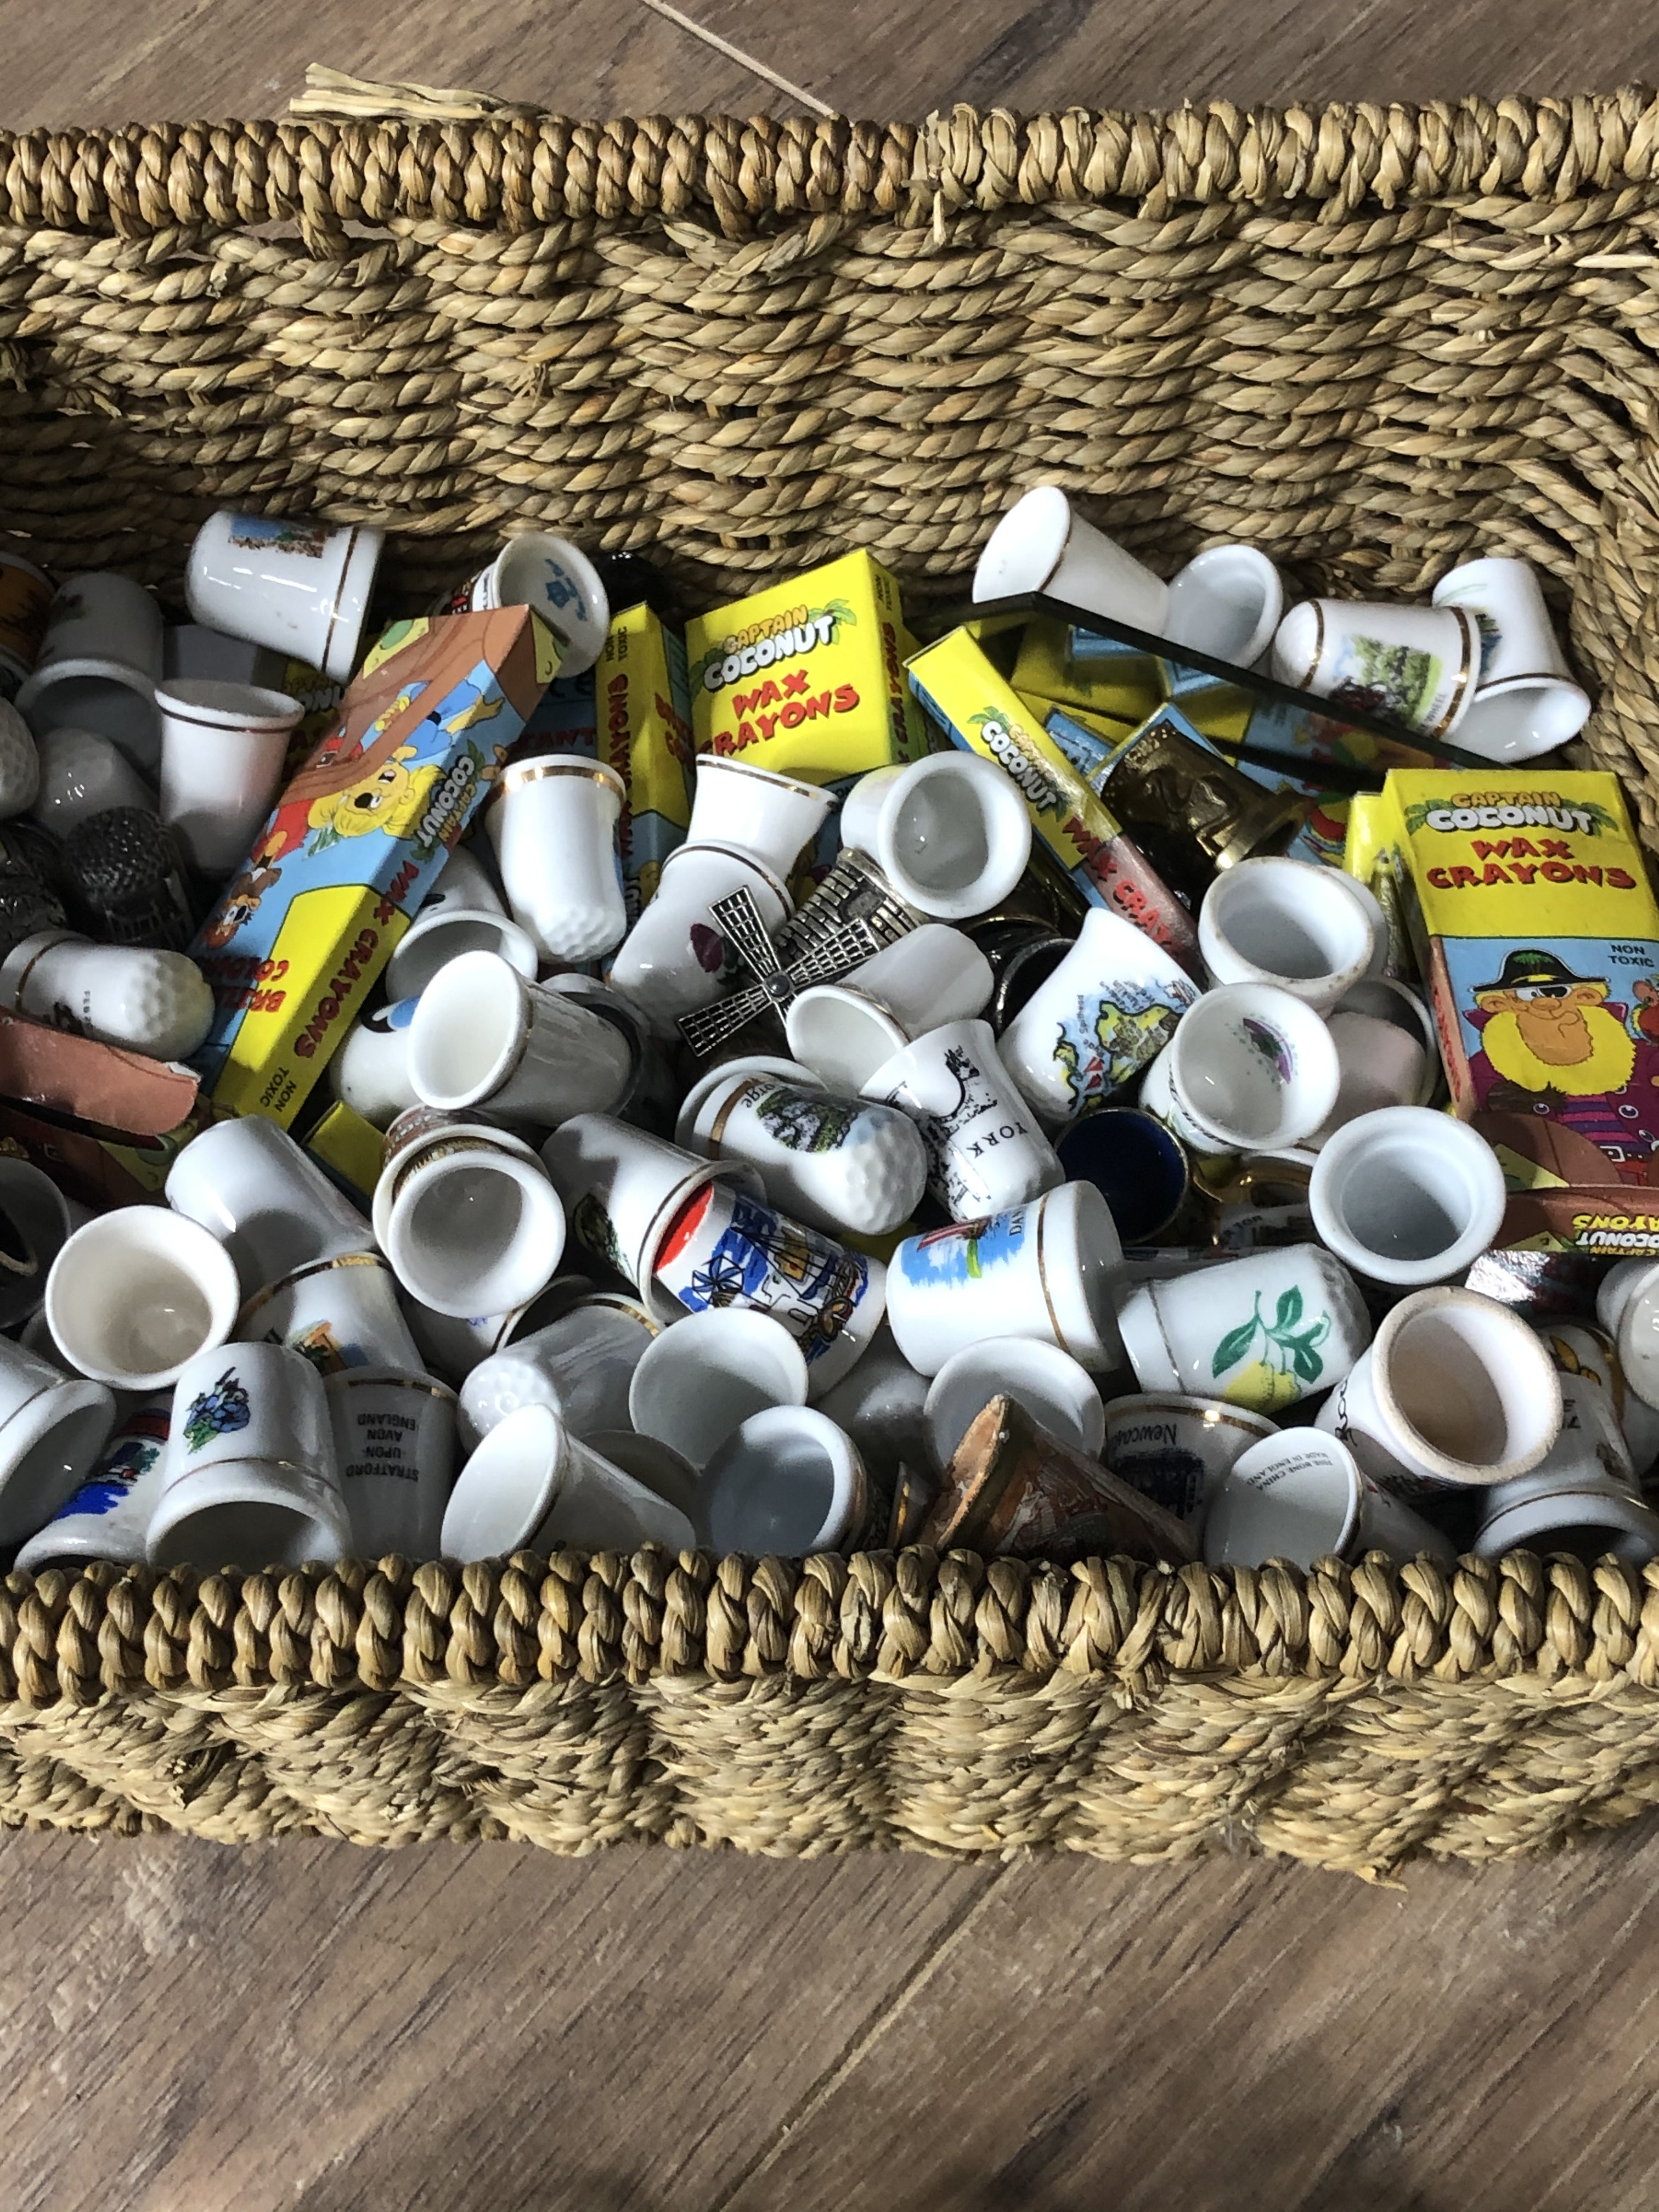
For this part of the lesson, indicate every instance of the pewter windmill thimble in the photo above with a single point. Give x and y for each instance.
(828, 954)
(855, 890)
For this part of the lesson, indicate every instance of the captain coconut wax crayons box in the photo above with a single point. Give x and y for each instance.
(980, 711)
(807, 677)
(306, 928)
(1536, 929)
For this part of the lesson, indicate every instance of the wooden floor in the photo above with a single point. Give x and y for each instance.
(193, 2029)
(82, 61)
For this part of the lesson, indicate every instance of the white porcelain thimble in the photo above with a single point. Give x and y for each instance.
(1103, 1013)
(83, 774)
(1263, 1330)
(462, 914)
(662, 1469)
(369, 1073)
(250, 1478)
(395, 1446)
(951, 832)
(531, 1485)
(53, 1427)
(1046, 1270)
(1414, 667)
(771, 816)
(482, 1035)
(35, 1224)
(466, 1215)
(267, 1202)
(342, 1313)
(622, 1188)
(1405, 1195)
(1227, 603)
(1041, 546)
(844, 1031)
(724, 1249)
(153, 1002)
(99, 665)
(552, 821)
(581, 1364)
(136, 1294)
(675, 959)
(223, 750)
(986, 1148)
(786, 1483)
(295, 586)
(1545, 1511)
(841, 1164)
(1249, 1069)
(1381, 1062)
(1294, 924)
(451, 1347)
(1526, 701)
(1301, 1495)
(537, 569)
(109, 1516)
(698, 1381)
(1455, 1392)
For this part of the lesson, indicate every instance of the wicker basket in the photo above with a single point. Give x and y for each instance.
(1372, 340)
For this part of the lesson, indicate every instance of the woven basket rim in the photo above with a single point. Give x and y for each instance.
(520, 172)
(77, 1636)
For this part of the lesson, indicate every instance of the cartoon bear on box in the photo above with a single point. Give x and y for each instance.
(339, 792)
(381, 792)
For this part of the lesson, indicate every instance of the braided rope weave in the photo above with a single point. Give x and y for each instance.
(1371, 339)
(526, 173)
(958, 1704)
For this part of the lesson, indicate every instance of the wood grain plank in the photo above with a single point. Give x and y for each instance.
(1228, 2037)
(1058, 53)
(238, 2030)
(185, 58)
(307, 2024)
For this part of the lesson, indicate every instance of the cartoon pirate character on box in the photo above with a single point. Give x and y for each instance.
(1554, 1043)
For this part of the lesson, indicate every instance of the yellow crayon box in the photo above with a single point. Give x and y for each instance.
(1123, 683)
(305, 928)
(807, 677)
(1537, 931)
(349, 1150)
(645, 731)
(980, 712)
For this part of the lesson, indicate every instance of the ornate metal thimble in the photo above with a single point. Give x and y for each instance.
(855, 890)
(126, 874)
(778, 978)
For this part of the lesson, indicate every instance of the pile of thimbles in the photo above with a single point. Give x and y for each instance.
(913, 1209)
(138, 756)
(1480, 666)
